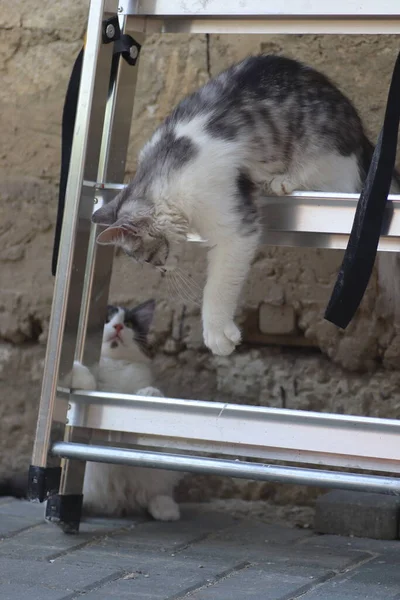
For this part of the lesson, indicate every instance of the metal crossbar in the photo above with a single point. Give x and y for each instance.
(230, 468)
(84, 271)
(263, 16)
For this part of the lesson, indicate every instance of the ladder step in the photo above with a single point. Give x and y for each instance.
(239, 430)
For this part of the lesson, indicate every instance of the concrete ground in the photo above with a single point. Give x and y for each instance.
(208, 555)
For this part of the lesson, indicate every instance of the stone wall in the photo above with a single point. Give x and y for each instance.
(291, 356)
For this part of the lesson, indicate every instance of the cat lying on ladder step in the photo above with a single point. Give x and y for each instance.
(266, 125)
(125, 367)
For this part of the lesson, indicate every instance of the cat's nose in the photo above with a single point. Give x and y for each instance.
(119, 327)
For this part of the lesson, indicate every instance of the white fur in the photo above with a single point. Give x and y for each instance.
(115, 489)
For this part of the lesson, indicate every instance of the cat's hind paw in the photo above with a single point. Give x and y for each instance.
(222, 341)
(164, 508)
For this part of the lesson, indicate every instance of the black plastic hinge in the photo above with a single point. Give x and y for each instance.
(110, 30)
(43, 482)
(129, 49)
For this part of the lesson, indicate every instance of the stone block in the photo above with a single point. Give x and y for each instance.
(358, 514)
(277, 320)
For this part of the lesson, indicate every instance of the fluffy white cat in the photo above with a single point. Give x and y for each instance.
(125, 367)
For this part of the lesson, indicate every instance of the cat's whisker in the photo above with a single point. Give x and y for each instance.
(179, 290)
(183, 292)
(192, 282)
(184, 288)
(189, 283)
(173, 292)
(191, 293)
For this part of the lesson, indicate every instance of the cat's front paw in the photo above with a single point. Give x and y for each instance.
(222, 340)
(82, 378)
(150, 391)
(164, 508)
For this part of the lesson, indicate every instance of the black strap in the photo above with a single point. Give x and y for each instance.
(359, 258)
(68, 124)
(129, 49)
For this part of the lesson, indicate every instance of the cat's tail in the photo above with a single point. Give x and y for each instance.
(388, 262)
(15, 486)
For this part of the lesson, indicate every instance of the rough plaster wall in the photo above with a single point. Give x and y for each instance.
(356, 371)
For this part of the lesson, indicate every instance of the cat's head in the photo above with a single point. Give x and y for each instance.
(125, 332)
(141, 229)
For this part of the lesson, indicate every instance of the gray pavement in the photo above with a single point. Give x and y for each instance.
(205, 556)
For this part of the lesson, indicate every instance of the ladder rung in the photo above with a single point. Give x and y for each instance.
(313, 219)
(229, 468)
(310, 219)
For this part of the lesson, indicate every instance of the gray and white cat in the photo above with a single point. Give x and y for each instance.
(125, 367)
(268, 124)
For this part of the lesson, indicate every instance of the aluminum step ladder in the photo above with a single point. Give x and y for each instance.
(90, 421)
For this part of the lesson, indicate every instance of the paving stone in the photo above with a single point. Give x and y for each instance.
(257, 542)
(46, 540)
(359, 514)
(378, 579)
(54, 575)
(353, 543)
(18, 591)
(168, 536)
(10, 525)
(22, 508)
(104, 524)
(153, 536)
(17, 515)
(264, 583)
(5, 500)
(206, 556)
(160, 577)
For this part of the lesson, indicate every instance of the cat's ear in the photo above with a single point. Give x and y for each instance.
(112, 235)
(123, 228)
(144, 314)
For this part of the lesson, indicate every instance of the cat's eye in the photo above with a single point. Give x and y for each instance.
(111, 310)
(128, 324)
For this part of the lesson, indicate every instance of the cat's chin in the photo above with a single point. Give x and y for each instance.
(115, 350)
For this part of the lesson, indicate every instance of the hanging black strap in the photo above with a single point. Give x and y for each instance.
(359, 258)
(68, 124)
